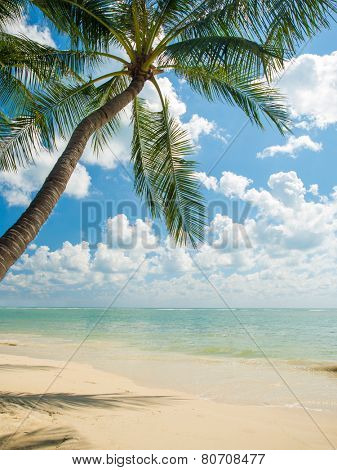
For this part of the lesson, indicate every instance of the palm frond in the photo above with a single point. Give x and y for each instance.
(11, 10)
(287, 23)
(105, 93)
(21, 139)
(95, 23)
(65, 105)
(203, 18)
(166, 11)
(163, 177)
(175, 180)
(53, 111)
(144, 166)
(251, 57)
(34, 63)
(256, 98)
(15, 97)
(283, 23)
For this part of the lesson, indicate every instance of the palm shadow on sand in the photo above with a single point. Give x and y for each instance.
(42, 438)
(46, 438)
(51, 402)
(24, 367)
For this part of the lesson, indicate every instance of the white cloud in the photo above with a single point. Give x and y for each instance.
(314, 189)
(288, 238)
(34, 32)
(285, 220)
(292, 147)
(68, 258)
(109, 260)
(79, 183)
(310, 83)
(177, 106)
(210, 182)
(232, 185)
(197, 126)
(287, 187)
(17, 188)
(284, 255)
(138, 236)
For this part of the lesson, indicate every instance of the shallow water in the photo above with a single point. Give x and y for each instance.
(291, 334)
(251, 356)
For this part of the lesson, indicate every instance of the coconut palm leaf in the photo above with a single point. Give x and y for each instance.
(288, 23)
(34, 63)
(25, 65)
(163, 177)
(54, 111)
(256, 18)
(11, 10)
(255, 97)
(104, 93)
(21, 139)
(95, 23)
(144, 165)
(175, 181)
(249, 56)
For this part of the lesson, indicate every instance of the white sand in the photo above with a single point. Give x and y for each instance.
(85, 408)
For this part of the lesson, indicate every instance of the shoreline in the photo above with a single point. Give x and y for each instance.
(229, 380)
(87, 408)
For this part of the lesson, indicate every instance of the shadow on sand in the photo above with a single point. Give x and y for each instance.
(332, 370)
(42, 438)
(52, 402)
(24, 367)
(46, 438)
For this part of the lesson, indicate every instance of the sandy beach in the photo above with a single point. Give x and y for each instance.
(80, 407)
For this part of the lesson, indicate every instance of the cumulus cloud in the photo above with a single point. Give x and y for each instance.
(138, 236)
(210, 182)
(40, 34)
(230, 184)
(286, 250)
(292, 147)
(18, 188)
(197, 126)
(233, 185)
(310, 84)
(287, 188)
(285, 220)
(177, 106)
(68, 258)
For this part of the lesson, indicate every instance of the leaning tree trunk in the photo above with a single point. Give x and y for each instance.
(14, 242)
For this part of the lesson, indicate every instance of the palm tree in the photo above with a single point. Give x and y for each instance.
(226, 50)
(27, 65)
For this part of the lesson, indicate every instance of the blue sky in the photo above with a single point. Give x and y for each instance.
(286, 249)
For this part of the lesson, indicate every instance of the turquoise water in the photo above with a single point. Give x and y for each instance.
(206, 352)
(289, 334)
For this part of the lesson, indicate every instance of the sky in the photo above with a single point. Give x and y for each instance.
(271, 206)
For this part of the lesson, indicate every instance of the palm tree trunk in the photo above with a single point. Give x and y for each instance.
(14, 242)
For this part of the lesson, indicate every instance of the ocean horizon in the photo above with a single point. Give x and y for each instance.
(282, 333)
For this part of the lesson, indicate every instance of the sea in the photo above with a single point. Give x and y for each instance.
(269, 357)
